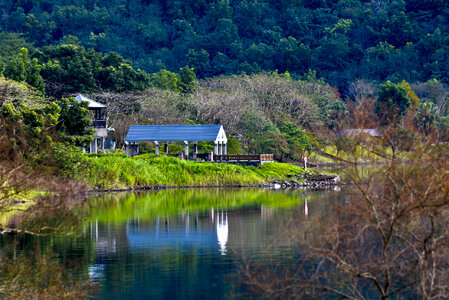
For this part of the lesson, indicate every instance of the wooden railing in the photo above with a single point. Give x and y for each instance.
(241, 157)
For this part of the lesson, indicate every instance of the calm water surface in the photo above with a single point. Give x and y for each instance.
(179, 244)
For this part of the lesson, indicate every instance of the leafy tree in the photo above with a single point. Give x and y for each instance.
(74, 122)
(78, 70)
(166, 80)
(182, 82)
(12, 43)
(343, 40)
(233, 146)
(298, 140)
(392, 103)
(338, 112)
(199, 60)
(187, 76)
(26, 123)
(414, 100)
(23, 69)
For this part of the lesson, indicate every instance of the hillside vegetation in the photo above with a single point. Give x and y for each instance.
(343, 40)
(268, 113)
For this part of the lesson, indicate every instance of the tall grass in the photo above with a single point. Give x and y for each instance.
(147, 170)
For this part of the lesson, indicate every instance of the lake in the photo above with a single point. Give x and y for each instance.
(171, 244)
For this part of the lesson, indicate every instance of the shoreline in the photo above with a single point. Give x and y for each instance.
(326, 182)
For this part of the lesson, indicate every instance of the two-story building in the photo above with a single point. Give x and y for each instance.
(99, 123)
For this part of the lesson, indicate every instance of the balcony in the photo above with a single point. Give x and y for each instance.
(99, 123)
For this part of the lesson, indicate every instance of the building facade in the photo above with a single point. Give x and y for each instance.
(99, 123)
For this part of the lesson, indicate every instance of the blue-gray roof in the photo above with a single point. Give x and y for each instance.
(171, 133)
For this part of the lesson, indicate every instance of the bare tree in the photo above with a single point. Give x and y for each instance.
(435, 92)
(150, 107)
(361, 90)
(389, 238)
(266, 95)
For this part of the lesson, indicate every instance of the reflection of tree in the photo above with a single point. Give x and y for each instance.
(389, 239)
(37, 255)
(30, 268)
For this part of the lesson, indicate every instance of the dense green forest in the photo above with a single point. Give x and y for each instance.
(279, 75)
(343, 40)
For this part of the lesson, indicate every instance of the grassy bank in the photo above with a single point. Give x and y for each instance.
(114, 171)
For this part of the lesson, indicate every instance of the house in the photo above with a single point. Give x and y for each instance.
(356, 132)
(99, 123)
(175, 133)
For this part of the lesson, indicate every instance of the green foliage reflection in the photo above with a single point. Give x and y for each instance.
(117, 208)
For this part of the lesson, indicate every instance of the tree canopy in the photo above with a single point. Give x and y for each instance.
(342, 40)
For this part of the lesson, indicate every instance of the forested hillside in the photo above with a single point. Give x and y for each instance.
(343, 40)
(279, 75)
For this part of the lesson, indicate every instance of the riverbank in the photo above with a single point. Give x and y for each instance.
(116, 172)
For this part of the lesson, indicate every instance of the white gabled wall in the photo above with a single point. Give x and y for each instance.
(221, 137)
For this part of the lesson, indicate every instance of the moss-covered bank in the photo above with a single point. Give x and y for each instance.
(116, 172)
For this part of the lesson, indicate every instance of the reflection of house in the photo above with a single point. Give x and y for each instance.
(356, 132)
(222, 231)
(171, 232)
(98, 112)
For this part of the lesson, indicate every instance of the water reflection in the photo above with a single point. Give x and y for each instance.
(306, 208)
(222, 231)
(179, 244)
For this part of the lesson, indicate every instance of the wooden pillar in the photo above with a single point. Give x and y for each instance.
(137, 148)
(225, 148)
(127, 148)
(166, 148)
(186, 143)
(156, 144)
(216, 148)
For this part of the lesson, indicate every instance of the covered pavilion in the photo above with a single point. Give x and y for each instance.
(174, 133)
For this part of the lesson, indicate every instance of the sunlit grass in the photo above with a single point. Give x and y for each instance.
(359, 154)
(149, 170)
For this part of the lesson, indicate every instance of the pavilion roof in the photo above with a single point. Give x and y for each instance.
(171, 133)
